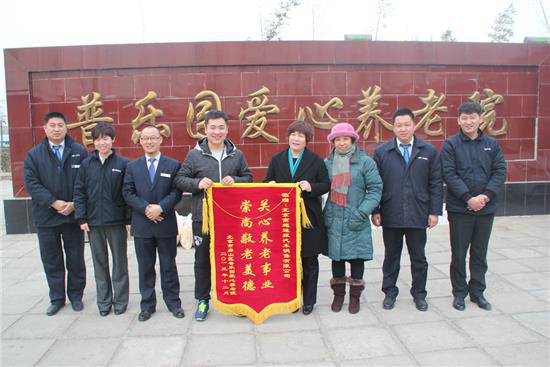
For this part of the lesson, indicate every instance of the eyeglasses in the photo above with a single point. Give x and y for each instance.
(149, 138)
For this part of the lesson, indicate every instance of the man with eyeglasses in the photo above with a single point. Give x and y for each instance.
(150, 191)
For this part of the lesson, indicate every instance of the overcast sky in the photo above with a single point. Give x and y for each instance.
(35, 23)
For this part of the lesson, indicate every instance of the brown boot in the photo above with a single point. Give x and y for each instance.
(338, 285)
(356, 287)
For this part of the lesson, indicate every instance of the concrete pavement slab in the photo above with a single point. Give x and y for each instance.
(399, 360)
(431, 336)
(39, 326)
(218, 323)
(512, 302)
(99, 327)
(80, 352)
(536, 321)
(208, 350)
(342, 319)
(363, 342)
(24, 352)
(528, 281)
(456, 357)
(299, 346)
(149, 351)
(496, 330)
(162, 323)
(405, 312)
(290, 322)
(532, 354)
(541, 263)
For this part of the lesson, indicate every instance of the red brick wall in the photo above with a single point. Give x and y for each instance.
(298, 74)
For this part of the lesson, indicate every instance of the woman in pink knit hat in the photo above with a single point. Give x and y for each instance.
(356, 189)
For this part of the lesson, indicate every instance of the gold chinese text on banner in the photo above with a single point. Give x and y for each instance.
(255, 246)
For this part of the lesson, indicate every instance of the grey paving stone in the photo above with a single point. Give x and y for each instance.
(537, 263)
(399, 360)
(520, 301)
(536, 321)
(218, 323)
(372, 293)
(533, 354)
(513, 253)
(363, 342)
(292, 347)
(8, 320)
(507, 267)
(36, 326)
(24, 352)
(405, 312)
(431, 336)
(543, 295)
(80, 352)
(235, 349)
(528, 281)
(19, 302)
(437, 287)
(289, 322)
(496, 330)
(162, 323)
(456, 357)
(330, 320)
(157, 351)
(97, 326)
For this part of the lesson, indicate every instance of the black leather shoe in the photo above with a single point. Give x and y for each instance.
(120, 311)
(178, 313)
(144, 315)
(105, 312)
(421, 304)
(53, 309)
(307, 309)
(388, 303)
(481, 302)
(77, 305)
(458, 303)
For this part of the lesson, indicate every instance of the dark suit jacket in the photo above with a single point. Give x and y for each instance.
(411, 192)
(311, 169)
(138, 192)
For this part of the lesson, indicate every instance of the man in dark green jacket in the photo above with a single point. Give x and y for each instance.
(50, 172)
(474, 170)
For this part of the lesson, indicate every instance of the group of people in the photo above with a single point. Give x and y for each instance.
(400, 188)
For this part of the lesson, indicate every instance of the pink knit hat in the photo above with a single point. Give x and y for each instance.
(342, 129)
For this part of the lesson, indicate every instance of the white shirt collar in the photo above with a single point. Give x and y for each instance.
(62, 144)
(157, 157)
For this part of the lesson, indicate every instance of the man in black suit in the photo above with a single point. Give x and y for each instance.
(150, 191)
(412, 199)
(50, 172)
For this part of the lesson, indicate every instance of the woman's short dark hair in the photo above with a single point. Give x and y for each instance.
(103, 129)
(301, 127)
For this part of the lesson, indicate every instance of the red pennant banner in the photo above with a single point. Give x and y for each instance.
(255, 242)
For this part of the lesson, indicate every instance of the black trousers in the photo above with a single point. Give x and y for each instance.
(357, 268)
(469, 231)
(393, 245)
(201, 267)
(53, 241)
(310, 277)
(146, 253)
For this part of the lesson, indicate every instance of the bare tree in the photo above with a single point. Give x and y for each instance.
(447, 36)
(383, 8)
(503, 25)
(281, 15)
(544, 17)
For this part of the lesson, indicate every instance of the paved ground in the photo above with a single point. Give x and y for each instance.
(516, 332)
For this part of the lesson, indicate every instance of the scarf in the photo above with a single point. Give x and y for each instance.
(341, 179)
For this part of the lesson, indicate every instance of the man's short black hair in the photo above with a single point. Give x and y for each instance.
(214, 114)
(103, 129)
(152, 127)
(470, 107)
(52, 115)
(402, 112)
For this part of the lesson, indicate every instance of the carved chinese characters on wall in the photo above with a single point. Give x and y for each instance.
(258, 110)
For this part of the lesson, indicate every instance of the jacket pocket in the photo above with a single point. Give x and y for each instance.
(327, 215)
(356, 222)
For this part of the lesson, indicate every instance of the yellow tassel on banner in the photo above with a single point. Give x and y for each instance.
(305, 220)
(204, 214)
